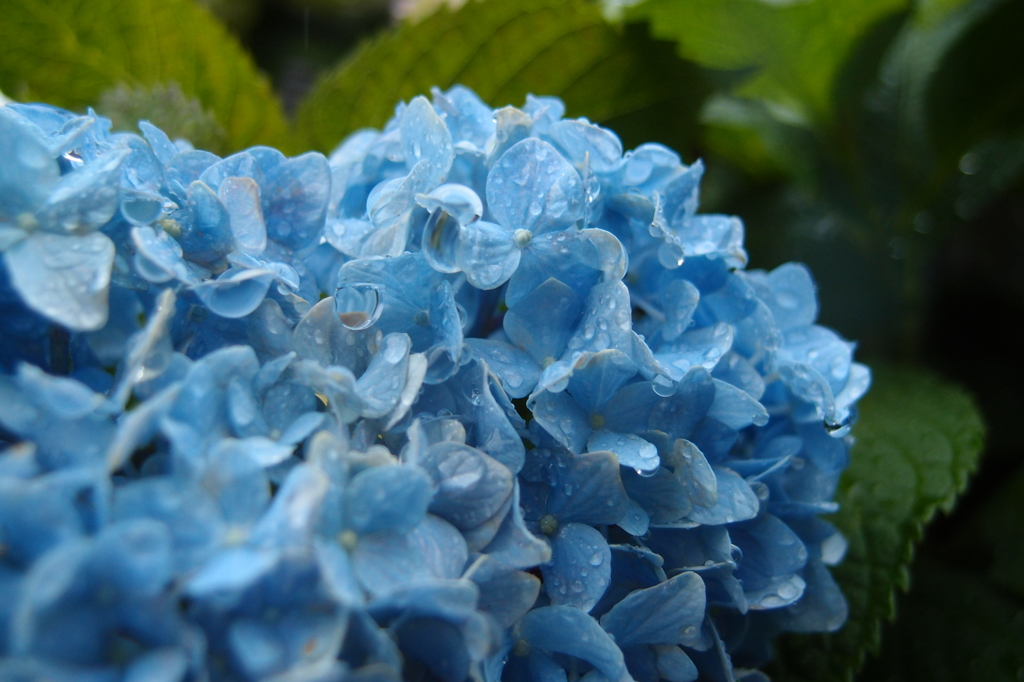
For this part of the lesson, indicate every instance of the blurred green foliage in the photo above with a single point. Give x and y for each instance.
(68, 52)
(504, 50)
(879, 141)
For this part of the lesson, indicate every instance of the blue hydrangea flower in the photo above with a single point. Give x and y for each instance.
(480, 395)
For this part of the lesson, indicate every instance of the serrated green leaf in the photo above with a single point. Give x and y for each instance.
(68, 52)
(794, 48)
(504, 49)
(918, 441)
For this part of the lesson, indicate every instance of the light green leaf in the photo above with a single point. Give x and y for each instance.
(795, 48)
(918, 441)
(68, 52)
(504, 49)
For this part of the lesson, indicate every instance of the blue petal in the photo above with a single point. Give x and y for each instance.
(516, 370)
(488, 254)
(631, 451)
(425, 137)
(241, 198)
(680, 297)
(438, 645)
(291, 517)
(514, 545)
(562, 417)
(694, 473)
(190, 513)
(660, 494)
(140, 207)
(580, 569)
(793, 300)
(736, 501)
(240, 165)
(735, 408)
(674, 665)
(336, 569)
(598, 376)
(532, 187)
(322, 336)
(235, 293)
(450, 600)
(28, 172)
(159, 257)
(185, 168)
(545, 112)
(630, 408)
(472, 485)
(511, 126)
(458, 201)
(384, 380)
(822, 608)
(696, 348)
(487, 424)
(587, 488)
(542, 322)
(567, 630)
(384, 562)
(677, 414)
(735, 369)
(388, 498)
(467, 117)
(164, 149)
(137, 554)
(35, 519)
(580, 140)
(295, 196)
(659, 614)
(445, 320)
(506, 594)
(158, 665)
(85, 199)
(207, 237)
(235, 477)
(65, 278)
(636, 521)
(440, 547)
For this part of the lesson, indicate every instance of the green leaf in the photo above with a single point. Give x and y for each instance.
(918, 441)
(167, 108)
(68, 52)
(794, 48)
(505, 49)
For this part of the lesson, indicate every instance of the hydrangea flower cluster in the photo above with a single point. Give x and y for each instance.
(478, 396)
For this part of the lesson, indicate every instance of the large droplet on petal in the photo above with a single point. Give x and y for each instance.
(358, 305)
(440, 240)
